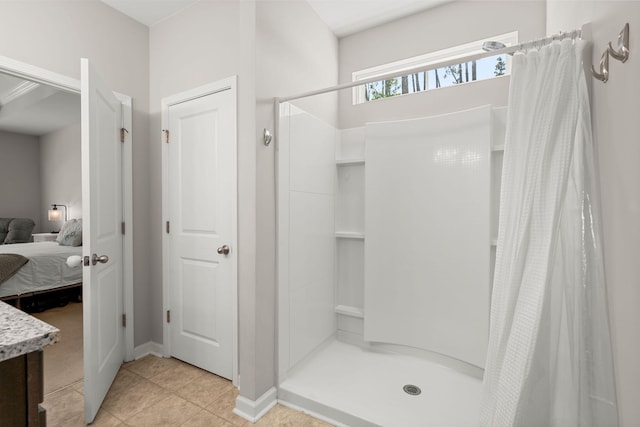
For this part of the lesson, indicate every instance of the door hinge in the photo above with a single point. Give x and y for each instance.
(123, 134)
(165, 135)
(168, 316)
(124, 320)
(122, 227)
(168, 227)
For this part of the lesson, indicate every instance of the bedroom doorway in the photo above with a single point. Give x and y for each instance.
(38, 91)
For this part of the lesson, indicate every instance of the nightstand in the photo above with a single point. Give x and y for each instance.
(44, 237)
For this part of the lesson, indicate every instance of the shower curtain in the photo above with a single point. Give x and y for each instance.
(549, 360)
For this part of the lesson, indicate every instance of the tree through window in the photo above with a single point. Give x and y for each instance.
(464, 72)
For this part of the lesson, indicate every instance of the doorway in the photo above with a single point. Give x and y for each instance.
(199, 158)
(50, 86)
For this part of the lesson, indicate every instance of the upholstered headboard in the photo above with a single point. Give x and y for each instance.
(15, 230)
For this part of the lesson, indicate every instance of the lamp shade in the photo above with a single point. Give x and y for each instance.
(55, 214)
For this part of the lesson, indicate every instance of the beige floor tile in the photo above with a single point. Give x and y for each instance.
(124, 380)
(200, 399)
(63, 406)
(205, 389)
(127, 402)
(207, 419)
(169, 412)
(223, 407)
(78, 386)
(150, 366)
(177, 376)
(103, 419)
(286, 417)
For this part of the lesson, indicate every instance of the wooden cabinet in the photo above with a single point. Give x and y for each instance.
(22, 391)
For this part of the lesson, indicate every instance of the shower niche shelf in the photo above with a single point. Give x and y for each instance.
(350, 311)
(349, 162)
(349, 235)
(497, 148)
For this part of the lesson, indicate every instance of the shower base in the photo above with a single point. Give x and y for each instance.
(347, 385)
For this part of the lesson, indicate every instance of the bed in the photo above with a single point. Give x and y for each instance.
(46, 270)
(28, 269)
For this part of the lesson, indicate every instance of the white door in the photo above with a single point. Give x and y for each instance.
(200, 239)
(102, 217)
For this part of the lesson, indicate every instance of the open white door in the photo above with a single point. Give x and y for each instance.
(102, 239)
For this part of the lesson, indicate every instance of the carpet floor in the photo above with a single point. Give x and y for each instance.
(63, 363)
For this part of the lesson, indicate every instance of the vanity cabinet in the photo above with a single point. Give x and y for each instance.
(22, 338)
(22, 384)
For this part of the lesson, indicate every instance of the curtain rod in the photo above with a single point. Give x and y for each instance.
(469, 58)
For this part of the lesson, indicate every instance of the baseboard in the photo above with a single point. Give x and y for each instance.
(148, 348)
(254, 410)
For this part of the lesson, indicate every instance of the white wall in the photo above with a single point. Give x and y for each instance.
(445, 26)
(20, 177)
(295, 52)
(55, 35)
(307, 247)
(60, 174)
(615, 112)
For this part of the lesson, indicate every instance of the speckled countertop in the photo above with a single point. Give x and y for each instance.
(21, 334)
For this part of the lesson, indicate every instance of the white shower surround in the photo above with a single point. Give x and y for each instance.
(321, 299)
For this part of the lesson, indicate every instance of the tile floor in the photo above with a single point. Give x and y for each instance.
(154, 391)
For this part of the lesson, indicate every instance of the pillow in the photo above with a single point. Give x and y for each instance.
(71, 233)
(19, 230)
(4, 228)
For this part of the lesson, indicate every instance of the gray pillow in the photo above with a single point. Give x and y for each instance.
(19, 230)
(4, 228)
(71, 233)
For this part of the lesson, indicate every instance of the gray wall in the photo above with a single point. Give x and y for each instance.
(615, 112)
(199, 45)
(60, 173)
(260, 42)
(445, 26)
(55, 35)
(20, 177)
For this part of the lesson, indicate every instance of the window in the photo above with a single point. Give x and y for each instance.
(464, 72)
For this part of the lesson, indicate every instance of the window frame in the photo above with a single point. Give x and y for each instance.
(455, 52)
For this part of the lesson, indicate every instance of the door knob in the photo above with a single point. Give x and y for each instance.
(223, 250)
(96, 259)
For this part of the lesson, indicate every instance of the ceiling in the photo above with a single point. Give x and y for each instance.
(346, 17)
(343, 17)
(34, 109)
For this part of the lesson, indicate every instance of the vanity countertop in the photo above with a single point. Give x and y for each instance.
(21, 333)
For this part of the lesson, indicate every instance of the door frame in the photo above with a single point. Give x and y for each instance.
(229, 83)
(68, 84)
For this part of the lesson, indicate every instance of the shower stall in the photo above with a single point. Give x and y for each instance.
(386, 242)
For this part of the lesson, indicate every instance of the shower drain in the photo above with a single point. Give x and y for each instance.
(411, 389)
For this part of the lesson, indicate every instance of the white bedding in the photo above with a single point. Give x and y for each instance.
(46, 269)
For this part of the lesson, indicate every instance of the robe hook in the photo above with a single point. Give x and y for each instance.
(603, 75)
(622, 53)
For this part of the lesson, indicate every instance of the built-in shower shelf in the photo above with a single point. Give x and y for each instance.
(349, 310)
(349, 162)
(497, 148)
(349, 235)
(494, 242)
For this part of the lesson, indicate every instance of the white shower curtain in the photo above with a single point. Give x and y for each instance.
(549, 360)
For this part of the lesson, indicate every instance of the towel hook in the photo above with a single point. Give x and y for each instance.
(622, 53)
(603, 75)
